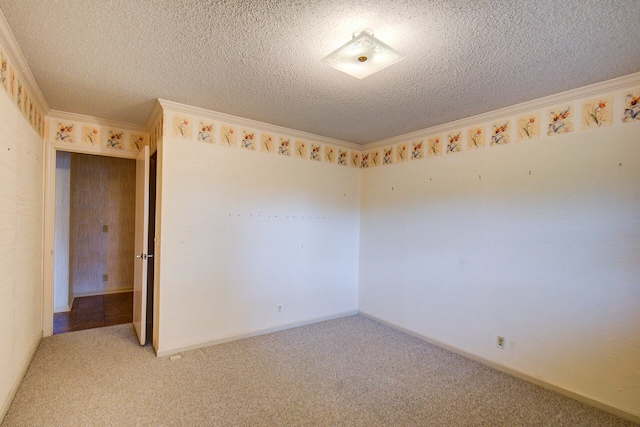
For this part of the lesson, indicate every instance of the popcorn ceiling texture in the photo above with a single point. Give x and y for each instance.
(261, 59)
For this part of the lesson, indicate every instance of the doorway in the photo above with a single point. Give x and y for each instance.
(93, 240)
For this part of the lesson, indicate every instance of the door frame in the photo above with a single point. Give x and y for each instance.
(141, 244)
(48, 264)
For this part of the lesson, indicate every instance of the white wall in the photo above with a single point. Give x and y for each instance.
(61, 296)
(243, 232)
(468, 246)
(21, 168)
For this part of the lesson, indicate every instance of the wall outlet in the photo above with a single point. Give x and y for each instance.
(105, 277)
(279, 309)
(500, 342)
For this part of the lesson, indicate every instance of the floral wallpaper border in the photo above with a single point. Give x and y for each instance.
(608, 109)
(13, 85)
(549, 122)
(569, 117)
(105, 138)
(226, 134)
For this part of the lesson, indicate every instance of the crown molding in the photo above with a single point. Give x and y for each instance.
(201, 112)
(613, 85)
(154, 115)
(8, 40)
(73, 117)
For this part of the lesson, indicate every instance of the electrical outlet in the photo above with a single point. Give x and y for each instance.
(500, 342)
(279, 309)
(105, 277)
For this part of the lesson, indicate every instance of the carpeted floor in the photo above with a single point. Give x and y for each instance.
(345, 372)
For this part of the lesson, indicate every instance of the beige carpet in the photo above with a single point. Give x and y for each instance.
(346, 372)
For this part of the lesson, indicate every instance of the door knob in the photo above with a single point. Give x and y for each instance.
(142, 256)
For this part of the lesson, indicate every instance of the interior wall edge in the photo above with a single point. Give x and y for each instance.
(16, 56)
(258, 332)
(155, 339)
(16, 384)
(155, 115)
(525, 376)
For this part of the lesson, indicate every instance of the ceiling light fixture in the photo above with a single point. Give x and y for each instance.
(362, 56)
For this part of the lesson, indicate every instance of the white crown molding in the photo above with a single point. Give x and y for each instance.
(613, 85)
(20, 63)
(73, 117)
(201, 112)
(156, 113)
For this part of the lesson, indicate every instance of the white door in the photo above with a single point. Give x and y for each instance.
(141, 245)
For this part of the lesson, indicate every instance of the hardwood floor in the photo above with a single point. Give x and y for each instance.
(95, 312)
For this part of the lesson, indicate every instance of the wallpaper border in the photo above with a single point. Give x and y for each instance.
(252, 124)
(91, 134)
(183, 122)
(18, 83)
(611, 103)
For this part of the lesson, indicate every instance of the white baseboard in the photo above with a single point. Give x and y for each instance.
(516, 373)
(171, 351)
(65, 308)
(18, 380)
(62, 309)
(105, 292)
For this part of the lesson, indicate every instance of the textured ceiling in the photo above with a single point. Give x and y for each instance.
(261, 59)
